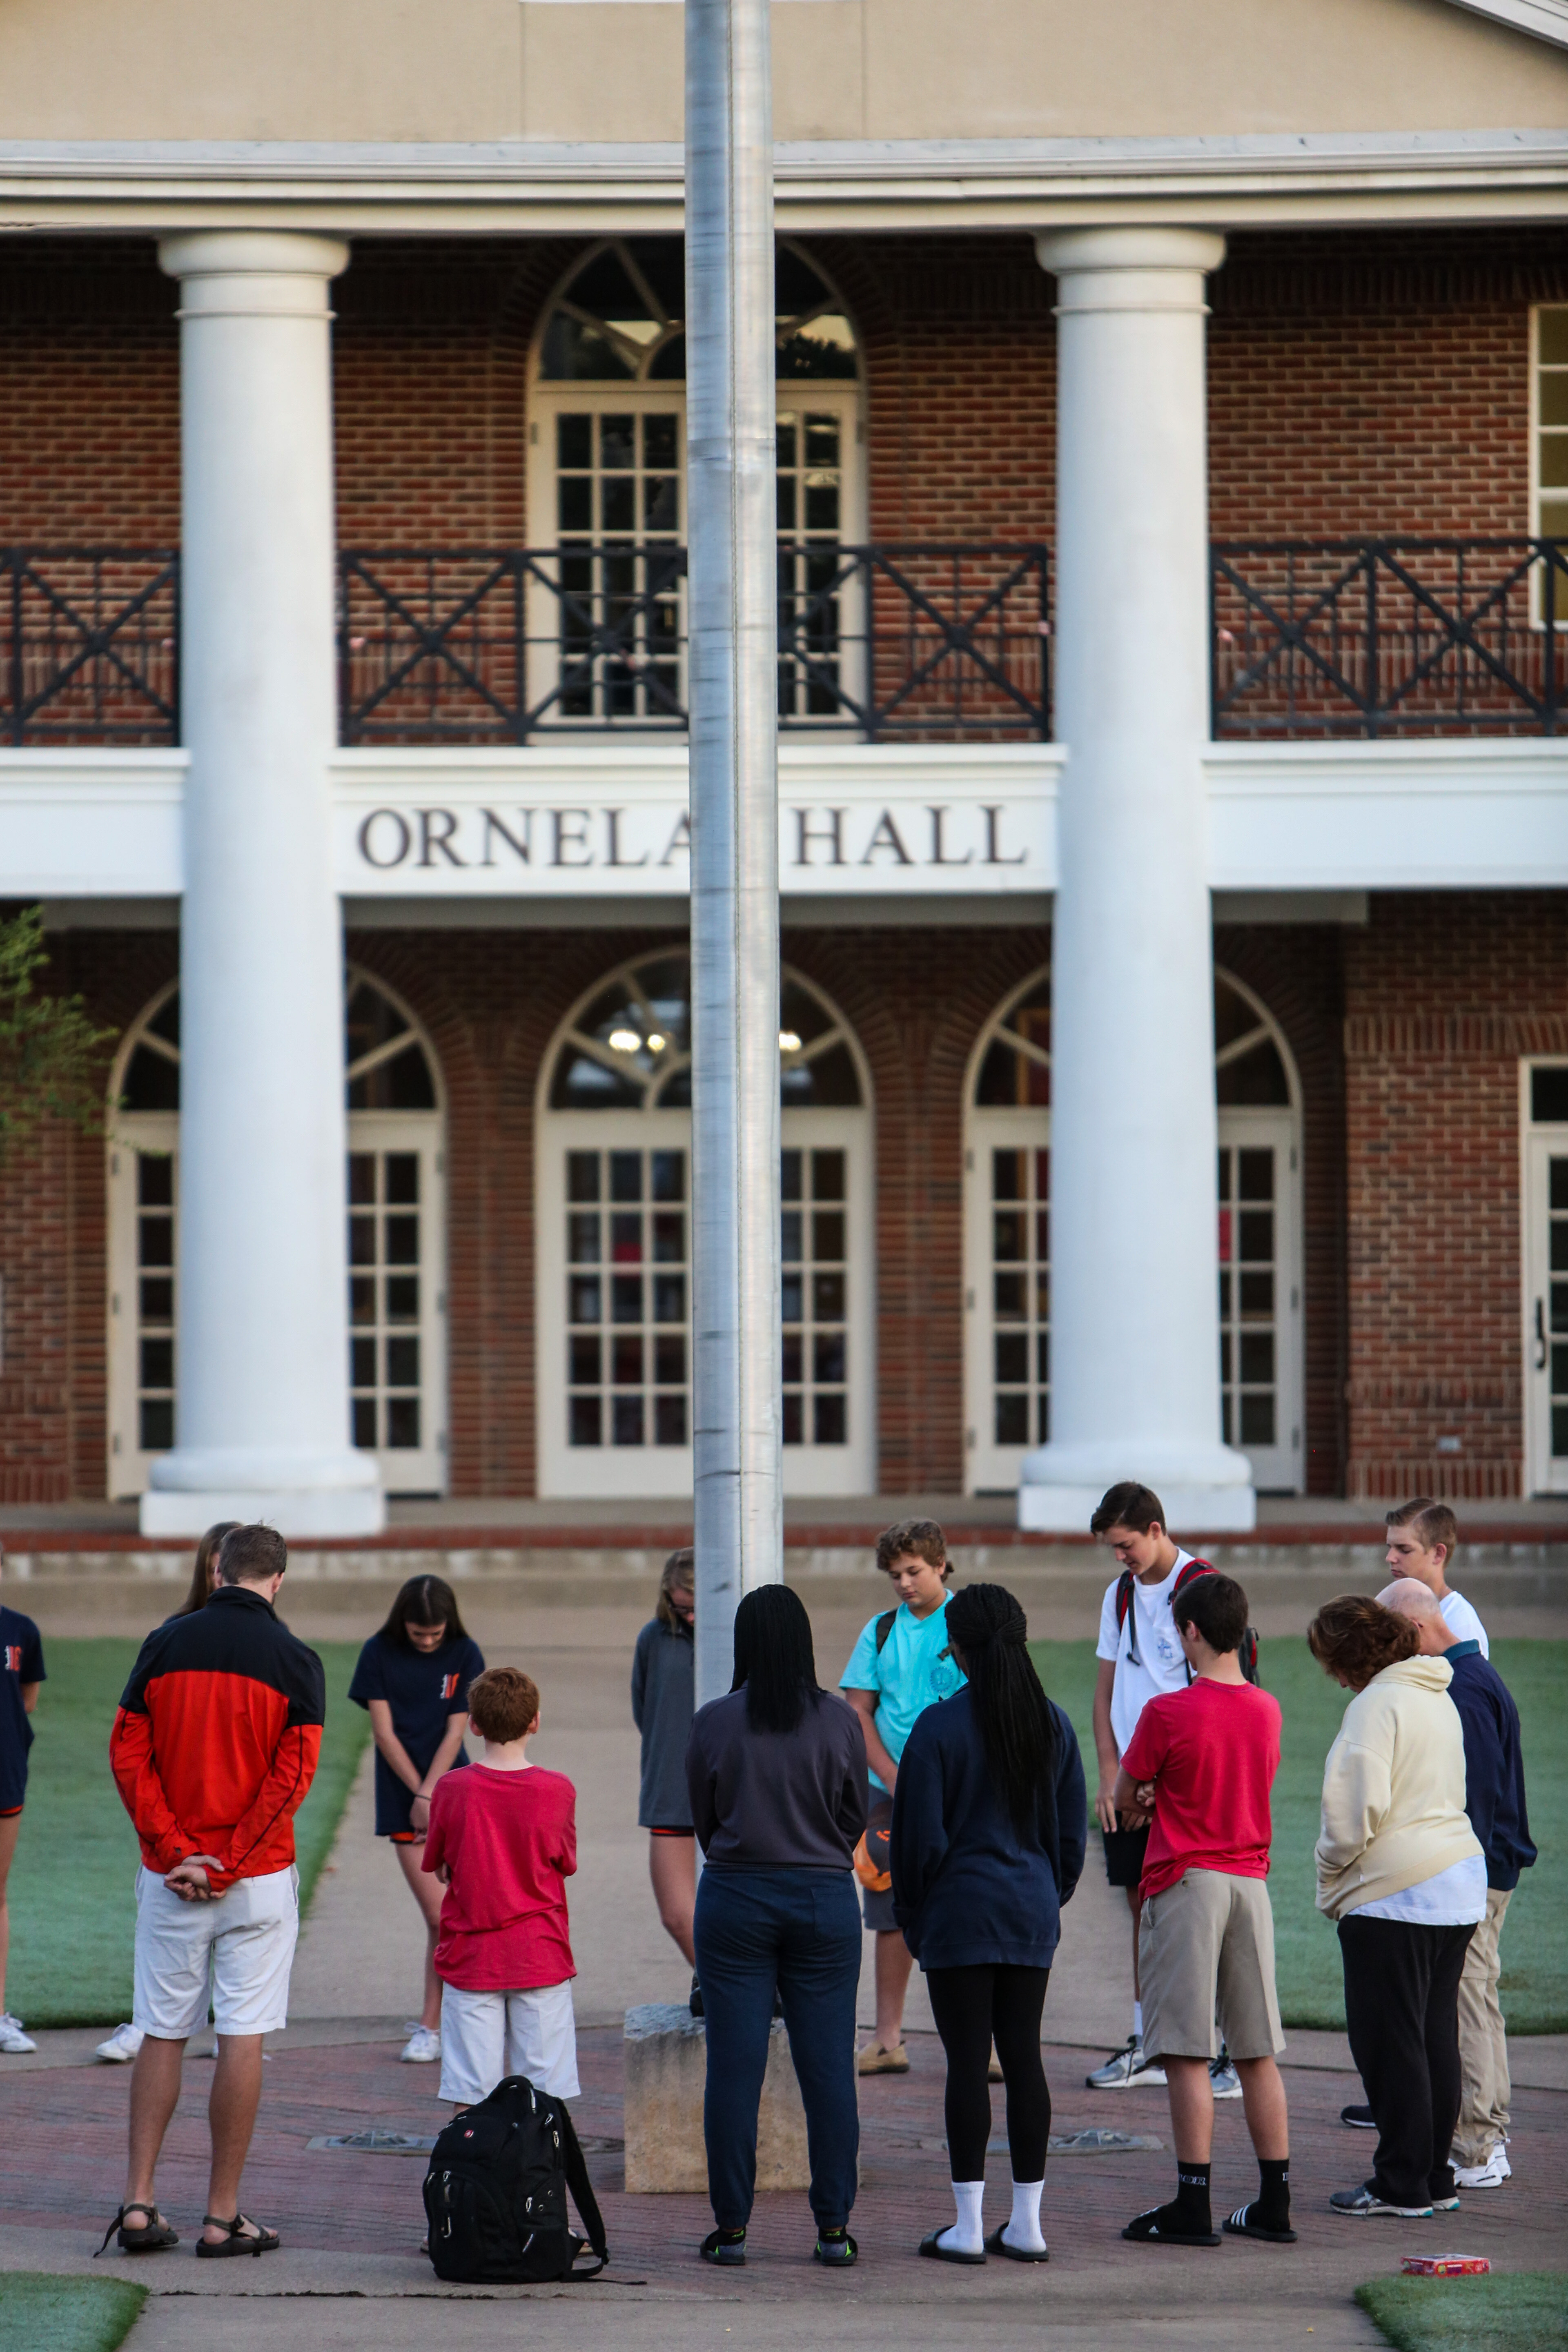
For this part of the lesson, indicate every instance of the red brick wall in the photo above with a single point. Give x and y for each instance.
(1442, 997)
(1358, 382)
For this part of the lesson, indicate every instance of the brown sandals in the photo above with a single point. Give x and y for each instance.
(266, 2241)
(151, 2238)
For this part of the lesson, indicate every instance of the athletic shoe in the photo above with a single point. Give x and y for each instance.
(727, 2248)
(1359, 2118)
(121, 2045)
(1126, 2070)
(1223, 2080)
(836, 2248)
(423, 2045)
(1490, 2175)
(13, 2041)
(1365, 2204)
(1445, 2204)
(875, 2060)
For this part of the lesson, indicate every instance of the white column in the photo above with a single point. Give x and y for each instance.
(262, 1422)
(1134, 1309)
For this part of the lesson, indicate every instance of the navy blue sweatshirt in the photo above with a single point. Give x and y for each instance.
(968, 1890)
(777, 1800)
(1494, 1765)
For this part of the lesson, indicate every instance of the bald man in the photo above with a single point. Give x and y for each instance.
(1494, 1800)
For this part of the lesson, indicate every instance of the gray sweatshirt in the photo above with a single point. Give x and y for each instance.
(664, 1692)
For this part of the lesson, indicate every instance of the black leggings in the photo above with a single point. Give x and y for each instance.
(973, 2007)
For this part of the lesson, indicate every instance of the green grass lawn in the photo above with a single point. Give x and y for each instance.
(1517, 2310)
(73, 1910)
(1535, 1939)
(40, 2313)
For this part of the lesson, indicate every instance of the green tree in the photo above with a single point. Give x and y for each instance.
(51, 1056)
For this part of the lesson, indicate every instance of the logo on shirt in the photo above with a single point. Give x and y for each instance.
(13, 1657)
(449, 1686)
(945, 1678)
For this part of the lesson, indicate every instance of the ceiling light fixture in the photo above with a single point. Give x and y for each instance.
(624, 1040)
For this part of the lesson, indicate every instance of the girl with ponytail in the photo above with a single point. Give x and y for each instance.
(990, 1823)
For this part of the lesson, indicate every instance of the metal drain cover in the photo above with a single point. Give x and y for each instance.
(378, 2141)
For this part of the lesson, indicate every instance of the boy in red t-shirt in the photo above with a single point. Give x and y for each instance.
(1206, 1757)
(503, 1839)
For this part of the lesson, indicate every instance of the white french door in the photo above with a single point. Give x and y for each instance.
(395, 1188)
(1008, 1294)
(1545, 1268)
(613, 1304)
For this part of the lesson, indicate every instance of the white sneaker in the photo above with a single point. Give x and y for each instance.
(121, 2045)
(423, 2045)
(1126, 2070)
(1223, 2080)
(1490, 2175)
(13, 2041)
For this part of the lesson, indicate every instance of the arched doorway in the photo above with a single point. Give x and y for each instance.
(1007, 1239)
(607, 485)
(614, 1242)
(395, 1199)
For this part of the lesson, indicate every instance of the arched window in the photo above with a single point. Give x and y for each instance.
(606, 483)
(613, 1242)
(1007, 1238)
(394, 1185)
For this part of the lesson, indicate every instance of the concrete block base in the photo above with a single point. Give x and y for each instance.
(1195, 1510)
(666, 2071)
(326, 1511)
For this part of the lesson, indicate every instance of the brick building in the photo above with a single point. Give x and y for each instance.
(1375, 819)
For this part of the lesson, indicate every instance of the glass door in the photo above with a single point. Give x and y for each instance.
(1546, 1278)
(1260, 1294)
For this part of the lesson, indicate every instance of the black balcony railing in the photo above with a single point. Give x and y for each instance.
(504, 646)
(1390, 637)
(90, 644)
(903, 644)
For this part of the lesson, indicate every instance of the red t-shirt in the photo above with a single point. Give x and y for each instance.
(1212, 1751)
(510, 1840)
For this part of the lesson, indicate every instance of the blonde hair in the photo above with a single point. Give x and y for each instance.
(679, 1568)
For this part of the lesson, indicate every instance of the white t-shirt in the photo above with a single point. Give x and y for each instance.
(1156, 1663)
(1454, 1897)
(1461, 1619)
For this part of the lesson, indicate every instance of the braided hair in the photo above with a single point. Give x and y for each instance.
(1015, 1720)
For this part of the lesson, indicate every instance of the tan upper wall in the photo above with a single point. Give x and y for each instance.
(882, 69)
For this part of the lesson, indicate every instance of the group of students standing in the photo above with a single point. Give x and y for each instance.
(942, 1779)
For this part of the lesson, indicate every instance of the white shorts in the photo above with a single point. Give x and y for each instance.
(237, 1952)
(485, 2036)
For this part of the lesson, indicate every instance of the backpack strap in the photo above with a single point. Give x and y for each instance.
(884, 1627)
(582, 2196)
(1124, 1597)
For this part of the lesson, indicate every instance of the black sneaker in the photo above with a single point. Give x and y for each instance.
(725, 2247)
(1359, 2118)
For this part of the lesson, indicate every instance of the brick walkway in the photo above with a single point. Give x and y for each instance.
(61, 2153)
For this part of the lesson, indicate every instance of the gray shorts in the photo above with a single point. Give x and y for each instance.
(876, 1909)
(1207, 1943)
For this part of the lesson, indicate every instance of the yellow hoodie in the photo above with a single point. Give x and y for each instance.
(1393, 1789)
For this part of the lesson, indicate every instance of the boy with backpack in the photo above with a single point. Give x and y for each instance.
(1206, 1757)
(1141, 1658)
(898, 1668)
(503, 1840)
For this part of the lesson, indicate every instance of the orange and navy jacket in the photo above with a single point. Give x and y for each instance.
(217, 1736)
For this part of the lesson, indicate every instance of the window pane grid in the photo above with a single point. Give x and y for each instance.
(155, 1210)
(1021, 1295)
(810, 476)
(385, 1275)
(1249, 1296)
(815, 1256)
(627, 1233)
(618, 529)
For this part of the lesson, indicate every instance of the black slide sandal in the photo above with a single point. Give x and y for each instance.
(153, 2238)
(266, 2241)
(1237, 2225)
(938, 2254)
(997, 2244)
(1144, 2230)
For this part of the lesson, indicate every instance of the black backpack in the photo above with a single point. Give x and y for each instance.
(495, 2195)
(1193, 1567)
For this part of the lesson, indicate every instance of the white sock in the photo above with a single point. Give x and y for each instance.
(1021, 2228)
(967, 2235)
(1138, 2021)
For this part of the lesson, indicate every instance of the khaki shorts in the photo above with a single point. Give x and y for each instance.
(1207, 1943)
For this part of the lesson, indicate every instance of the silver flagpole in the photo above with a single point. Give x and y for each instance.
(733, 692)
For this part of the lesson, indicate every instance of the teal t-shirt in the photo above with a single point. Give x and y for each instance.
(909, 1675)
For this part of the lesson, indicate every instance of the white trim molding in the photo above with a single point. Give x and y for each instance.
(1543, 20)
